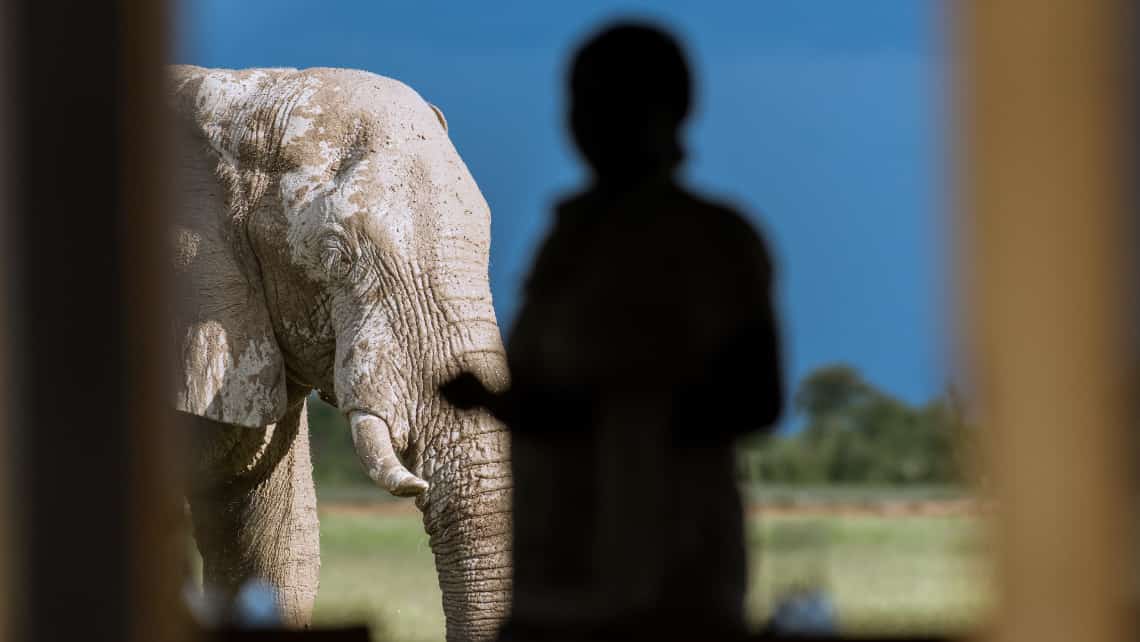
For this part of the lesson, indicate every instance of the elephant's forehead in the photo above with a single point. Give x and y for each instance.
(369, 153)
(274, 120)
(340, 114)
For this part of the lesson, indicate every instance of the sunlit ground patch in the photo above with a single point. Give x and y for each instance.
(884, 574)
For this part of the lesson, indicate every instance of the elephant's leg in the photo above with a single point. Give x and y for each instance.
(255, 511)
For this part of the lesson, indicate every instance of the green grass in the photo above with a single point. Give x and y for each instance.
(885, 574)
(379, 570)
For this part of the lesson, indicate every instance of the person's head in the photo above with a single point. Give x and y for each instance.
(629, 94)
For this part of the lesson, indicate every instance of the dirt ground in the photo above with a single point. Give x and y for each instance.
(884, 508)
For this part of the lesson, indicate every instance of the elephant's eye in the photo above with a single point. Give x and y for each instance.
(337, 262)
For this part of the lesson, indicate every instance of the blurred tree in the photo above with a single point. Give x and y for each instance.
(831, 390)
(855, 433)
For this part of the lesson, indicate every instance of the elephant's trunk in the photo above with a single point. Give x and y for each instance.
(467, 516)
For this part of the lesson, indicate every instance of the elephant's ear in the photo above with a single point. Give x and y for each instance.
(230, 374)
(439, 116)
(229, 367)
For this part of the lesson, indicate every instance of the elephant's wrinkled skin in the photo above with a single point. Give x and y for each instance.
(328, 236)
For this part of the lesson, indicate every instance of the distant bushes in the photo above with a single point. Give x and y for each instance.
(854, 433)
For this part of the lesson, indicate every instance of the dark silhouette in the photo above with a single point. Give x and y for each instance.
(645, 344)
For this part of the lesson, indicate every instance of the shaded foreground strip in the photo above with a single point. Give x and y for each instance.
(360, 634)
(765, 638)
(355, 634)
(877, 508)
(752, 638)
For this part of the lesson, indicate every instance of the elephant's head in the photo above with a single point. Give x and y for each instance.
(336, 241)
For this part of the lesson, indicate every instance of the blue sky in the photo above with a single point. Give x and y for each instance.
(823, 119)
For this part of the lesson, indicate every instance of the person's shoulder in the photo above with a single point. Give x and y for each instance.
(563, 239)
(726, 226)
(575, 203)
(707, 211)
(574, 212)
(723, 216)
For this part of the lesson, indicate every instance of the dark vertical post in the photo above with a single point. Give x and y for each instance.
(98, 517)
(8, 522)
(158, 546)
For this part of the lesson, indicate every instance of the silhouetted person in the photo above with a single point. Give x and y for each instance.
(645, 344)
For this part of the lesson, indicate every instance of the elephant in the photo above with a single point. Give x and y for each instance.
(327, 237)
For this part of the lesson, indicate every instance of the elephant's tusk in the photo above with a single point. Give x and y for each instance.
(373, 444)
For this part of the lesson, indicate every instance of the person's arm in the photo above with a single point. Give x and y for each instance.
(748, 375)
(466, 391)
(740, 389)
